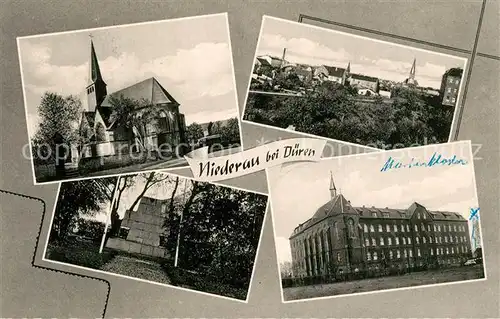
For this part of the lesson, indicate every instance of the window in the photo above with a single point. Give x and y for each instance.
(373, 242)
(447, 251)
(409, 241)
(367, 242)
(408, 228)
(418, 252)
(416, 228)
(163, 241)
(402, 228)
(432, 252)
(388, 228)
(430, 239)
(406, 253)
(449, 227)
(452, 250)
(434, 227)
(449, 90)
(424, 240)
(372, 229)
(442, 251)
(437, 251)
(390, 254)
(450, 80)
(338, 257)
(375, 257)
(456, 239)
(389, 241)
(397, 240)
(123, 233)
(163, 208)
(439, 228)
(368, 256)
(380, 228)
(398, 254)
(350, 228)
(374, 214)
(457, 81)
(336, 230)
(445, 239)
(381, 241)
(395, 228)
(385, 215)
(417, 240)
(411, 253)
(418, 215)
(451, 239)
(422, 227)
(424, 215)
(404, 240)
(440, 239)
(429, 228)
(365, 228)
(454, 228)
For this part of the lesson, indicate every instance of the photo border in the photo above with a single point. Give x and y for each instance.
(152, 282)
(202, 16)
(461, 94)
(378, 154)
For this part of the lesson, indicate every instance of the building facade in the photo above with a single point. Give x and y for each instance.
(364, 82)
(340, 238)
(142, 231)
(450, 85)
(331, 74)
(104, 135)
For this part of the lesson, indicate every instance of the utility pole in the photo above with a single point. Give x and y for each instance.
(108, 217)
(180, 227)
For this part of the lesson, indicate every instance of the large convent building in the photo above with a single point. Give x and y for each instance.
(340, 238)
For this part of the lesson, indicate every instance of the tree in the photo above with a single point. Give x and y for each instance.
(90, 228)
(286, 269)
(230, 133)
(194, 132)
(58, 115)
(135, 116)
(79, 198)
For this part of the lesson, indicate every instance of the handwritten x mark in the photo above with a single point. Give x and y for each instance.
(473, 213)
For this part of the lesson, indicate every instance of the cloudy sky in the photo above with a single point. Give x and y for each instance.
(317, 46)
(161, 191)
(190, 57)
(298, 190)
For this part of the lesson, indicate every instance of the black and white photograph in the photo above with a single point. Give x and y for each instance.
(161, 229)
(382, 221)
(128, 98)
(350, 88)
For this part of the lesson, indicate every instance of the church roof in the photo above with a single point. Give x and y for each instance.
(364, 77)
(94, 70)
(334, 71)
(149, 90)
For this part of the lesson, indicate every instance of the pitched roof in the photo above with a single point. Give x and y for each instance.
(334, 71)
(149, 90)
(364, 77)
(94, 70)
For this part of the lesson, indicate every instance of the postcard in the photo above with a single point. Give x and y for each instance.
(160, 229)
(350, 88)
(128, 98)
(379, 221)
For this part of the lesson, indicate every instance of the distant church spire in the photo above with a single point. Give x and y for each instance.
(412, 71)
(96, 88)
(348, 70)
(333, 189)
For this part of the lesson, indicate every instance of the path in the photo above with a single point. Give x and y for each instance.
(134, 267)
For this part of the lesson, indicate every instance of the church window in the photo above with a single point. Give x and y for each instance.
(336, 230)
(365, 228)
(350, 227)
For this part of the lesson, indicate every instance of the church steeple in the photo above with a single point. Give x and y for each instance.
(412, 71)
(96, 88)
(333, 189)
(348, 70)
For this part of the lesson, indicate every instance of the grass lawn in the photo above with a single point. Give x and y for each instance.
(374, 284)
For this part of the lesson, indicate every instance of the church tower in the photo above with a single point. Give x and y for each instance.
(412, 71)
(333, 189)
(96, 88)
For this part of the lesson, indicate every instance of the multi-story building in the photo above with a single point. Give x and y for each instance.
(332, 74)
(142, 231)
(340, 238)
(450, 85)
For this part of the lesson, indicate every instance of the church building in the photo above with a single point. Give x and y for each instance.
(411, 81)
(104, 134)
(341, 238)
